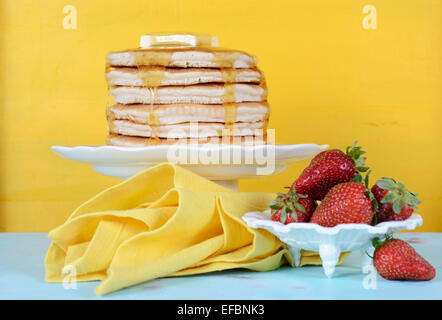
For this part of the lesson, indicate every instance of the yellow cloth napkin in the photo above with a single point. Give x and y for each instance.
(165, 221)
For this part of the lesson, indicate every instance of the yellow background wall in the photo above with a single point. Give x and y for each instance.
(330, 81)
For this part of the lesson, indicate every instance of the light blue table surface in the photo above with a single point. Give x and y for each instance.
(22, 277)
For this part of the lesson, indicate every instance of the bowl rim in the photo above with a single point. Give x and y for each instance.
(255, 217)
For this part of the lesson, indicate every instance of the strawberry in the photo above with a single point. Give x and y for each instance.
(329, 168)
(395, 201)
(395, 259)
(348, 202)
(292, 207)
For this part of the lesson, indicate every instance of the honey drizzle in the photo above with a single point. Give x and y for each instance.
(152, 79)
(262, 78)
(160, 58)
(107, 69)
(264, 94)
(230, 106)
(225, 60)
(153, 120)
(263, 85)
(229, 93)
(230, 110)
(229, 99)
(267, 115)
(108, 111)
(152, 141)
(266, 123)
(229, 75)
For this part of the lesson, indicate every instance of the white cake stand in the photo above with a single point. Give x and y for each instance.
(225, 164)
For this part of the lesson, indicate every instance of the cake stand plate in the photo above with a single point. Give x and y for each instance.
(225, 164)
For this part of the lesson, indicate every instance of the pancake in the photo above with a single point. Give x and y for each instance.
(185, 130)
(184, 57)
(200, 94)
(182, 113)
(182, 88)
(157, 76)
(128, 141)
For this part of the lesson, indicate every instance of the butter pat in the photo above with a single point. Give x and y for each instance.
(155, 40)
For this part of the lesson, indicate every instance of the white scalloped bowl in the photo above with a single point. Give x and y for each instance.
(329, 242)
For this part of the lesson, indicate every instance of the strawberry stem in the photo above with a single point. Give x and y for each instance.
(287, 203)
(398, 195)
(374, 221)
(355, 153)
(371, 196)
(377, 243)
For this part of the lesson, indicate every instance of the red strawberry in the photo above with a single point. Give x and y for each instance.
(347, 202)
(395, 201)
(329, 168)
(292, 207)
(395, 259)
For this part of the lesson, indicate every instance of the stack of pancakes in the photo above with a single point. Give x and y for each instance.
(169, 95)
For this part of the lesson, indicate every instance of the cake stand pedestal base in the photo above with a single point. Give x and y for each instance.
(230, 184)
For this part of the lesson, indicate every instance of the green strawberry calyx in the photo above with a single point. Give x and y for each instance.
(377, 242)
(398, 195)
(287, 203)
(355, 153)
